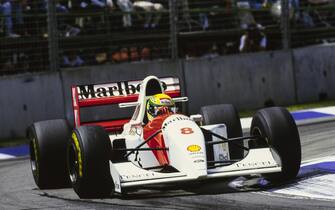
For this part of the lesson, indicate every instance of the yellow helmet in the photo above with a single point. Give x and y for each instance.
(159, 104)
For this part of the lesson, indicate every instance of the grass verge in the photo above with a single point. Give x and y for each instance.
(13, 142)
(296, 107)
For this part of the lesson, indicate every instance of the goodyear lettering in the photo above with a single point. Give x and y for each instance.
(36, 155)
(35, 149)
(77, 147)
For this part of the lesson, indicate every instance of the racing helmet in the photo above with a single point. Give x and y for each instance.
(159, 104)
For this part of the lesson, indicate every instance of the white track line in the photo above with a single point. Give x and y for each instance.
(5, 156)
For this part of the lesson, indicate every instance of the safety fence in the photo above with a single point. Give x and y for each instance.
(41, 35)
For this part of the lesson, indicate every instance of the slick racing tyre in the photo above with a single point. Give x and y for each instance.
(48, 143)
(226, 114)
(278, 128)
(88, 162)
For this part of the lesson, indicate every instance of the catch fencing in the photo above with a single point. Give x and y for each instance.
(44, 35)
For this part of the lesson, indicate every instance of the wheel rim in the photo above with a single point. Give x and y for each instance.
(73, 164)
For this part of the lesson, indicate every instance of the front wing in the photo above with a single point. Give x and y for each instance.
(257, 161)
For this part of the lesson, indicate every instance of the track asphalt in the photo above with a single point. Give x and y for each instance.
(312, 189)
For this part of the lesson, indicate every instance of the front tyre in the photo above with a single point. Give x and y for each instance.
(48, 142)
(88, 162)
(278, 128)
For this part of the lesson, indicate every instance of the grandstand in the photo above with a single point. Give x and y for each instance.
(40, 36)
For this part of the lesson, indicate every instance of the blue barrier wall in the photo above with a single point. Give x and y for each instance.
(28, 98)
(247, 81)
(315, 72)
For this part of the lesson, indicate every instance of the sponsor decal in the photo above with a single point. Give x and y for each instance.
(135, 131)
(254, 164)
(137, 176)
(121, 88)
(199, 161)
(193, 148)
(186, 131)
(165, 101)
(175, 119)
(223, 157)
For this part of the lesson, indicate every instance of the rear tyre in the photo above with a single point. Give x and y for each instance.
(278, 128)
(88, 162)
(227, 114)
(48, 142)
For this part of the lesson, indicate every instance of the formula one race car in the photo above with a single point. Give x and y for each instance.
(100, 158)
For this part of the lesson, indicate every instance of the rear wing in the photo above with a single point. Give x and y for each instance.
(114, 93)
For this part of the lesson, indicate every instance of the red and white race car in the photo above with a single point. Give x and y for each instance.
(99, 158)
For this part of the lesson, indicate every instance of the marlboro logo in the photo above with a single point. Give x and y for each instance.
(124, 88)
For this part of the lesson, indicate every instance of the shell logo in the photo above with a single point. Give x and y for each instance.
(194, 148)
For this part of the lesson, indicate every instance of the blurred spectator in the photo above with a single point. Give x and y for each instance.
(145, 53)
(212, 52)
(319, 16)
(91, 19)
(203, 16)
(183, 6)
(71, 59)
(276, 9)
(204, 21)
(12, 10)
(97, 4)
(245, 16)
(133, 54)
(253, 40)
(66, 25)
(126, 6)
(149, 8)
(246, 8)
(61, 8)
(100, 57)
(120, 56)
(36, 18)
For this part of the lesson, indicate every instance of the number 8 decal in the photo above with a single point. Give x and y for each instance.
(186, 130)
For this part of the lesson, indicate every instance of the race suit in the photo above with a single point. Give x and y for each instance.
(158, 141)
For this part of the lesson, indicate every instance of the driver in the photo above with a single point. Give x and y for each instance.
(159, 107)
(159, 104)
